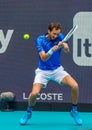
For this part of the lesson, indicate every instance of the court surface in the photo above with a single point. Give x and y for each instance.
(44, 120)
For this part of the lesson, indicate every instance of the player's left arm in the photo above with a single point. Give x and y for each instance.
(64, 46)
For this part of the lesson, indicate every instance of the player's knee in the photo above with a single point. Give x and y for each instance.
(75, 86)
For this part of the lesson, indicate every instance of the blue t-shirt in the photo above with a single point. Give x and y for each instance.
(44, 44)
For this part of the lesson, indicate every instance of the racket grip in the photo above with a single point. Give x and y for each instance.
(61, 46)
(50, 52)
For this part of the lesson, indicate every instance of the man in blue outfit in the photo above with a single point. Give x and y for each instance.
(49, 48)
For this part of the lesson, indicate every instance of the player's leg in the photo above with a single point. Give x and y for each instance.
(40, 80)
(68, 80)
(31, 102)
(33, 95)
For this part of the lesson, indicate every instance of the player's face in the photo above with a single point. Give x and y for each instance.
(52, 35)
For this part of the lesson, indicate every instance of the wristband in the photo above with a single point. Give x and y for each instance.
(50, 52)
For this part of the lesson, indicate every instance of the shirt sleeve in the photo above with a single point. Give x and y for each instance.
(61, 36)
(39, 44)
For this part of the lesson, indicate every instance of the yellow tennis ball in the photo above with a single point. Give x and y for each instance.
(26, 36)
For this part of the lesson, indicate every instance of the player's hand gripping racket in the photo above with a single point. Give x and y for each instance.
(70, 33)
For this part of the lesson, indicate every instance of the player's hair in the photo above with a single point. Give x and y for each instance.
(54, 25)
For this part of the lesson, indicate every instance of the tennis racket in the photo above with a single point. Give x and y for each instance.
(70, 33)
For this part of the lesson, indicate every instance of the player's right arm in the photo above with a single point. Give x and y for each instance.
(46, 55)
(40, 47)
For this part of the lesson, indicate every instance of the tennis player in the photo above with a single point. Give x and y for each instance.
(49, 48)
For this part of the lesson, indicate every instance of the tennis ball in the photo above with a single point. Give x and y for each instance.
(26, 36)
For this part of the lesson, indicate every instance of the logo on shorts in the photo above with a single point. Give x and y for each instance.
(82, 39)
